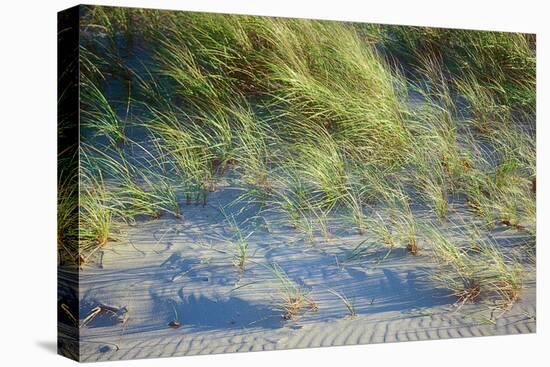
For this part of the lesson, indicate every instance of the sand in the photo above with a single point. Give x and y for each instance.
(182, 269)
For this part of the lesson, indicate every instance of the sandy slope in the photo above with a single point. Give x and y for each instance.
(182, 269)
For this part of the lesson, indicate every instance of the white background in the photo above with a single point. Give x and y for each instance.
(28, 182)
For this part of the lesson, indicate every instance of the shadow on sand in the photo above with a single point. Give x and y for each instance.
(204, 313)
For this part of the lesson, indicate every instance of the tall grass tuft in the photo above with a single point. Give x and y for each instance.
(293, 300)
(475, 270)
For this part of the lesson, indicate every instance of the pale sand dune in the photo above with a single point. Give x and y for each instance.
(184, 266)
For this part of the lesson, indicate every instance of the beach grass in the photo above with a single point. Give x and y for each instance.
(313, 121)
(476, 270)
(349, 303)
(293, 300)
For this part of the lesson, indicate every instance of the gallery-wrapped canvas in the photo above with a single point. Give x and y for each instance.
(231, 183)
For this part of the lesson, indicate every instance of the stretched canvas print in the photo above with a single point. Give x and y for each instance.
(231, 183)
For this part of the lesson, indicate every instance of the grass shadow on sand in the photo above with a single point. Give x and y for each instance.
(204, 313)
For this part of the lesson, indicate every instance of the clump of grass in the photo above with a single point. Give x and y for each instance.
(136, 188)
(499, 185)
(297, 204)
(326, 75)
(395, 230)
(349, 303)
(293, 299)
(189, 54)
(241, 254)
(355, 203)
(402, 218)
(327, 176)
(178, 143)
(432, 182)
(98, 115)
(67, 211)
(240, 257)
(148, 197)
(477, 188)
(254, 151)
(307, 219)
(435, 124)
(513, 176)
(409, 234)
(503, 275)
(474, 272)
(113, 190)
(95, 219)
(306, 225)
(288, 205)
(502, 63)
(239, 243)
(436, 193)
(322, 217)
(381, 230)
(486, 115)
(165, 192)
(457, 273)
